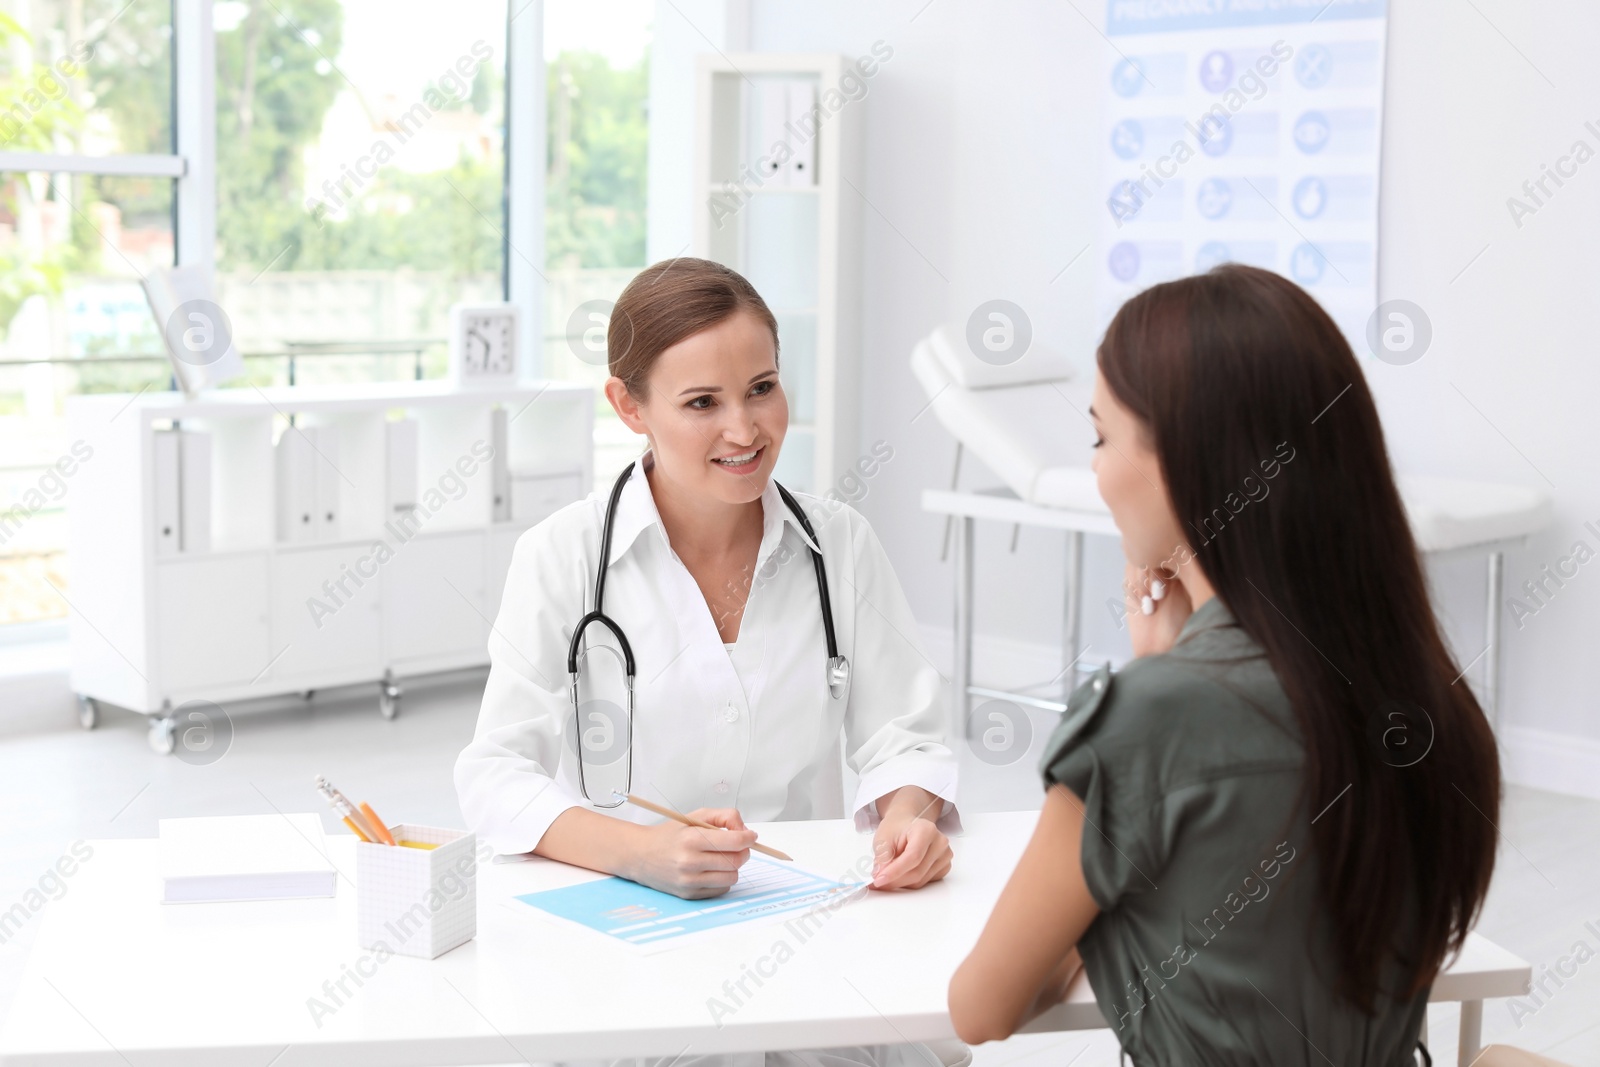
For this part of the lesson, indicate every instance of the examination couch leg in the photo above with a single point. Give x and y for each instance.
(963, 627)
(1471, 1032)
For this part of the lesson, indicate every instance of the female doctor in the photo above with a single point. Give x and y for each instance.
(739, 705)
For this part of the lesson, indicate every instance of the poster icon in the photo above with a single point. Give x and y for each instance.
(1127, 78)
(1124, 261)
(1216, 71)
(1307, 264)
(1310, 197)
(1127, 139)
(1211, 254)
(1214, 198)
(1311, 132)
(1313, 66)
(1216, 134)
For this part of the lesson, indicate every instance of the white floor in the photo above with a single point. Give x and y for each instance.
(57, 787)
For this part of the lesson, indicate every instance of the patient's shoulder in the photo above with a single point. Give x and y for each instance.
(1173, 720)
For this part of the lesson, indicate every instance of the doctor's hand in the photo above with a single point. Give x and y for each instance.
(691, 862)
(908, 850)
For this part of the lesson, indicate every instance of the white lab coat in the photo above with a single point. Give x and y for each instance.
(754, 728)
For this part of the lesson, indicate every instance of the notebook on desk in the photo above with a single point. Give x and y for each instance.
(243, 857)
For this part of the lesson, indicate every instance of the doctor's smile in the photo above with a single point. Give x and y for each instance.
(743, 463)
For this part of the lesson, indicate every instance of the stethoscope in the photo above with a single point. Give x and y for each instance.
(838, 667)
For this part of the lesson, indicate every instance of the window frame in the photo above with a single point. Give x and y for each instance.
(190, 160)
(524, 176)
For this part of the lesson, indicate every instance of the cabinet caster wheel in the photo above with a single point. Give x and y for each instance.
(88, 712)
(388, 700)
(163, 736)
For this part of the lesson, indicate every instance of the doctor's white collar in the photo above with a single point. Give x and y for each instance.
(636, 512)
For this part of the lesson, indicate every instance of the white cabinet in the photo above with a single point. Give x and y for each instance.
(211, 622)
(325, 617)
(239, 610)
(536, 497)
(433, 598)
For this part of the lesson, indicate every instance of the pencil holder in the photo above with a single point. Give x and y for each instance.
(417, 901)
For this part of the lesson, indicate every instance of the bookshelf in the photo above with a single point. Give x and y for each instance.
(793, 229)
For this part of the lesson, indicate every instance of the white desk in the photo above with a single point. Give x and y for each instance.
(117, 979)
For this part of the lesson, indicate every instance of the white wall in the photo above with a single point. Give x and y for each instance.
(681, 30)
(982, 168)
(1469, 119)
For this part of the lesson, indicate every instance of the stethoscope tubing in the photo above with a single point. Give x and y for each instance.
(838, 667)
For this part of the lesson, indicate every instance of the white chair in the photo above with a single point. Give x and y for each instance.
(1028, 421)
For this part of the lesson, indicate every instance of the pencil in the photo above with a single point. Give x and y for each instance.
(669, 813)
(377, 824)
(351, 813)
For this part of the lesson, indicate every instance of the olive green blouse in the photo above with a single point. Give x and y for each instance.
(1210, 946)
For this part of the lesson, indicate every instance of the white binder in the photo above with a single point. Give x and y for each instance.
(325, 461)
(499, 470)
(772, 112)
(297, 485)
(400, 497)
(168, 513)
(802, 102)
(194, 491)
(182, 486)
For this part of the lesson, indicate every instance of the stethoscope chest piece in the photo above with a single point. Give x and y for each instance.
(838, 676)
(608, 729)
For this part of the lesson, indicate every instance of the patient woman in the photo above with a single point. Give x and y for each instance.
(1268, 832)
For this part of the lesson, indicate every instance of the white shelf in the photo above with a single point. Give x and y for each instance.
(242, 612)
(308, 399)
(799, 244)
(718, 189)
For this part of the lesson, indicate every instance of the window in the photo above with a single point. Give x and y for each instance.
(360, 180)
(90, 77)
(86, 208)
(597, 87)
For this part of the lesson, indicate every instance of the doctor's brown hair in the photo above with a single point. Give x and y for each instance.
(670, 302)
(1222, 368)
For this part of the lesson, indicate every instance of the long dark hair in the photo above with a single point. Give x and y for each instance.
(1224, 369)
